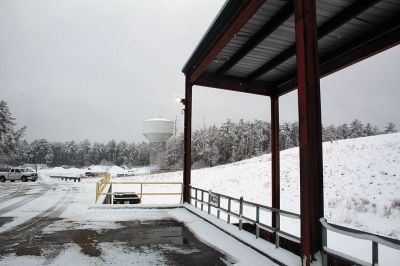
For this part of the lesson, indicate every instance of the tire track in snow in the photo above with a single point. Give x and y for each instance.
(34, 225)
(24, 200)
(11, 193)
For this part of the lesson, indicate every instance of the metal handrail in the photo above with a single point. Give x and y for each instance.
(375, 239)
(102, 184)
(144, 183)
(241, 217)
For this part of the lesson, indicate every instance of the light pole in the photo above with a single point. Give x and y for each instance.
(181, 100)
(186, 111)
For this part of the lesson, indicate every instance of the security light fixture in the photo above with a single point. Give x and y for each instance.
(180, 100)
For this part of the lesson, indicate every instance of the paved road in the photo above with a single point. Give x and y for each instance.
(41, 222)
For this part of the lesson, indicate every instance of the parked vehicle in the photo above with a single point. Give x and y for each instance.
(23, 174)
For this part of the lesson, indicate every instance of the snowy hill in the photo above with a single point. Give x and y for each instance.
(361, 182)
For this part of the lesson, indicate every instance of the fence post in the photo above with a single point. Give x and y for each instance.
(112, 195)
(97, 191)
(240, 213)
(209, 206)
(195, 193)
(229, 211)
(219, 205)
(277, 223)
(374, 253)
(202, 199)
(324, 244)
(257, 221)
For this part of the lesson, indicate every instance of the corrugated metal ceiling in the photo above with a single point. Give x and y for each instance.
(284, 37)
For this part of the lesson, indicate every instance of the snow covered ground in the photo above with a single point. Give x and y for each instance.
(361, 182)
(57, 223)
(361, 187)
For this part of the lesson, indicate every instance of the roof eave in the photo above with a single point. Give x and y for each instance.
(227, 12)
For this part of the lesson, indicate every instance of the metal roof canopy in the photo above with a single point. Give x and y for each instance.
(272, 47)
(251, 46)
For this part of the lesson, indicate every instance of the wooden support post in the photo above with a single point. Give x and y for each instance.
(187, 142)
(275, 186)
(311, 174)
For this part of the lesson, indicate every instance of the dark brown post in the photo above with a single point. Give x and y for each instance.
(311, 174)
(187, 163)
(275, 157)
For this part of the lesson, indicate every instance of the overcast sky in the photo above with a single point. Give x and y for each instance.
(76, 69)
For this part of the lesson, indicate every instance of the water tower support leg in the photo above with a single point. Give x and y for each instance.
(187, 142)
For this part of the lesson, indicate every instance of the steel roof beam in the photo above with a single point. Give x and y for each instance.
(233, 84)
(326, 28)
(370, 44)
(270, 26)
(248, 10)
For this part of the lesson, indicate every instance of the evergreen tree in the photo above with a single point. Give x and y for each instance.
(356, 129)
(368, 130)
(83, 151)
(376, 131)
(71, 152)
(390, 128)
(343, 131)
(10, 137)
(111, 149)
(40, 152)
(122, 156)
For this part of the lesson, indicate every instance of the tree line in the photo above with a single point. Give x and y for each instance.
(233, 142)
(84, 153)
(213, 145)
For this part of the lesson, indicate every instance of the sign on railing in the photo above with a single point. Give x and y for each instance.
(214, 201)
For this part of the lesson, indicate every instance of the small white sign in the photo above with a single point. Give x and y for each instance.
(213, 199)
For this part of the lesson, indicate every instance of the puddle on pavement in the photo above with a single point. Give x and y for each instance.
(28, 250)
(167, 237)
(4, 220)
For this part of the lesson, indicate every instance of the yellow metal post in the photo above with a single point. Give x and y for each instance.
(97, 192)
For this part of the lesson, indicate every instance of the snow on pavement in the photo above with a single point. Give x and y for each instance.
(361, 187)
(63, 226)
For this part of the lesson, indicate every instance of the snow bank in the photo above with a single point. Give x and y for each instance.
(116, 170)
(60, 171)
(97, 168)
(141, 170)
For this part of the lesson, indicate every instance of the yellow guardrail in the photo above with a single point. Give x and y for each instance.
(100, 186)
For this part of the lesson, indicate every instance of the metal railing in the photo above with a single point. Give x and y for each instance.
(375, 239)
(214, 201)
(66, 178)
(100, 188)
(74, 178)
(101, 185)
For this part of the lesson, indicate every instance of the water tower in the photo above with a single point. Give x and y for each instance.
(157, 131)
